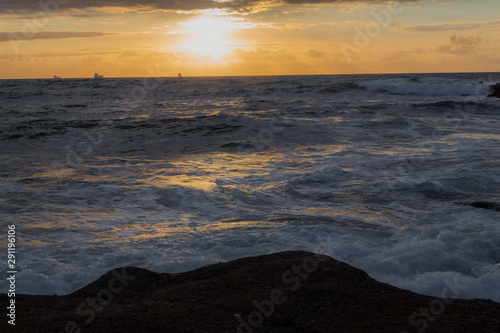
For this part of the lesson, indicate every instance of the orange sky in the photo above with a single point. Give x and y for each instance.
(125, 38)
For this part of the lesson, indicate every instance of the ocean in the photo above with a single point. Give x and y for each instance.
(171, 174)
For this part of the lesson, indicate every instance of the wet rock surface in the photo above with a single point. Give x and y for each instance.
(495, 90)
(485, 204)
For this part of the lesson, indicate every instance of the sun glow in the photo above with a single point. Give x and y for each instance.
(208, 36)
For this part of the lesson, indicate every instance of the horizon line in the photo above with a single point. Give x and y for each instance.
(245, 75)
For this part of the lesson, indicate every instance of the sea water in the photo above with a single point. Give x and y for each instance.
(171, 174)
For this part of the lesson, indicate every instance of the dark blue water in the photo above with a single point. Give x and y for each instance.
(171, 174)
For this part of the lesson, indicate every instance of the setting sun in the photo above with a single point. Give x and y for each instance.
(208, 36)
(233, 37)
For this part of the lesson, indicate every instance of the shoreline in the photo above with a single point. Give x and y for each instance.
(282, 292)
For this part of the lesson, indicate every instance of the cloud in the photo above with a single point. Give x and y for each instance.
(19, 36)
(316, 54)
(460, 44)
(464, 40)
(129, 54)
(343, 2)
(450, 26)
(53, 7)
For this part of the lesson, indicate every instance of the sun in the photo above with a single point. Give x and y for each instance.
(208, 36)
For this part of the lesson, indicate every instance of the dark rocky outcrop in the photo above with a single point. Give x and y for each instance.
(495, 205)
(495, 90)
(282, 292)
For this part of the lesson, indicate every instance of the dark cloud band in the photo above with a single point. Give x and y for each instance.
(24, 6)
(20, 36)
(53, 6)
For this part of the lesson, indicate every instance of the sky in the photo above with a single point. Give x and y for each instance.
(152, 38)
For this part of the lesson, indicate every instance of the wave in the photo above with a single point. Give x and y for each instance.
(425, 86)
(342, 87)
(447, 105)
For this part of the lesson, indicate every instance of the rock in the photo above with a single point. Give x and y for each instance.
(484, 204)
(495, 90)
(292, 292)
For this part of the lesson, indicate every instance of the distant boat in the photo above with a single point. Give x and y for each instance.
(179, 75)
(97, 76)
(57, 77)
